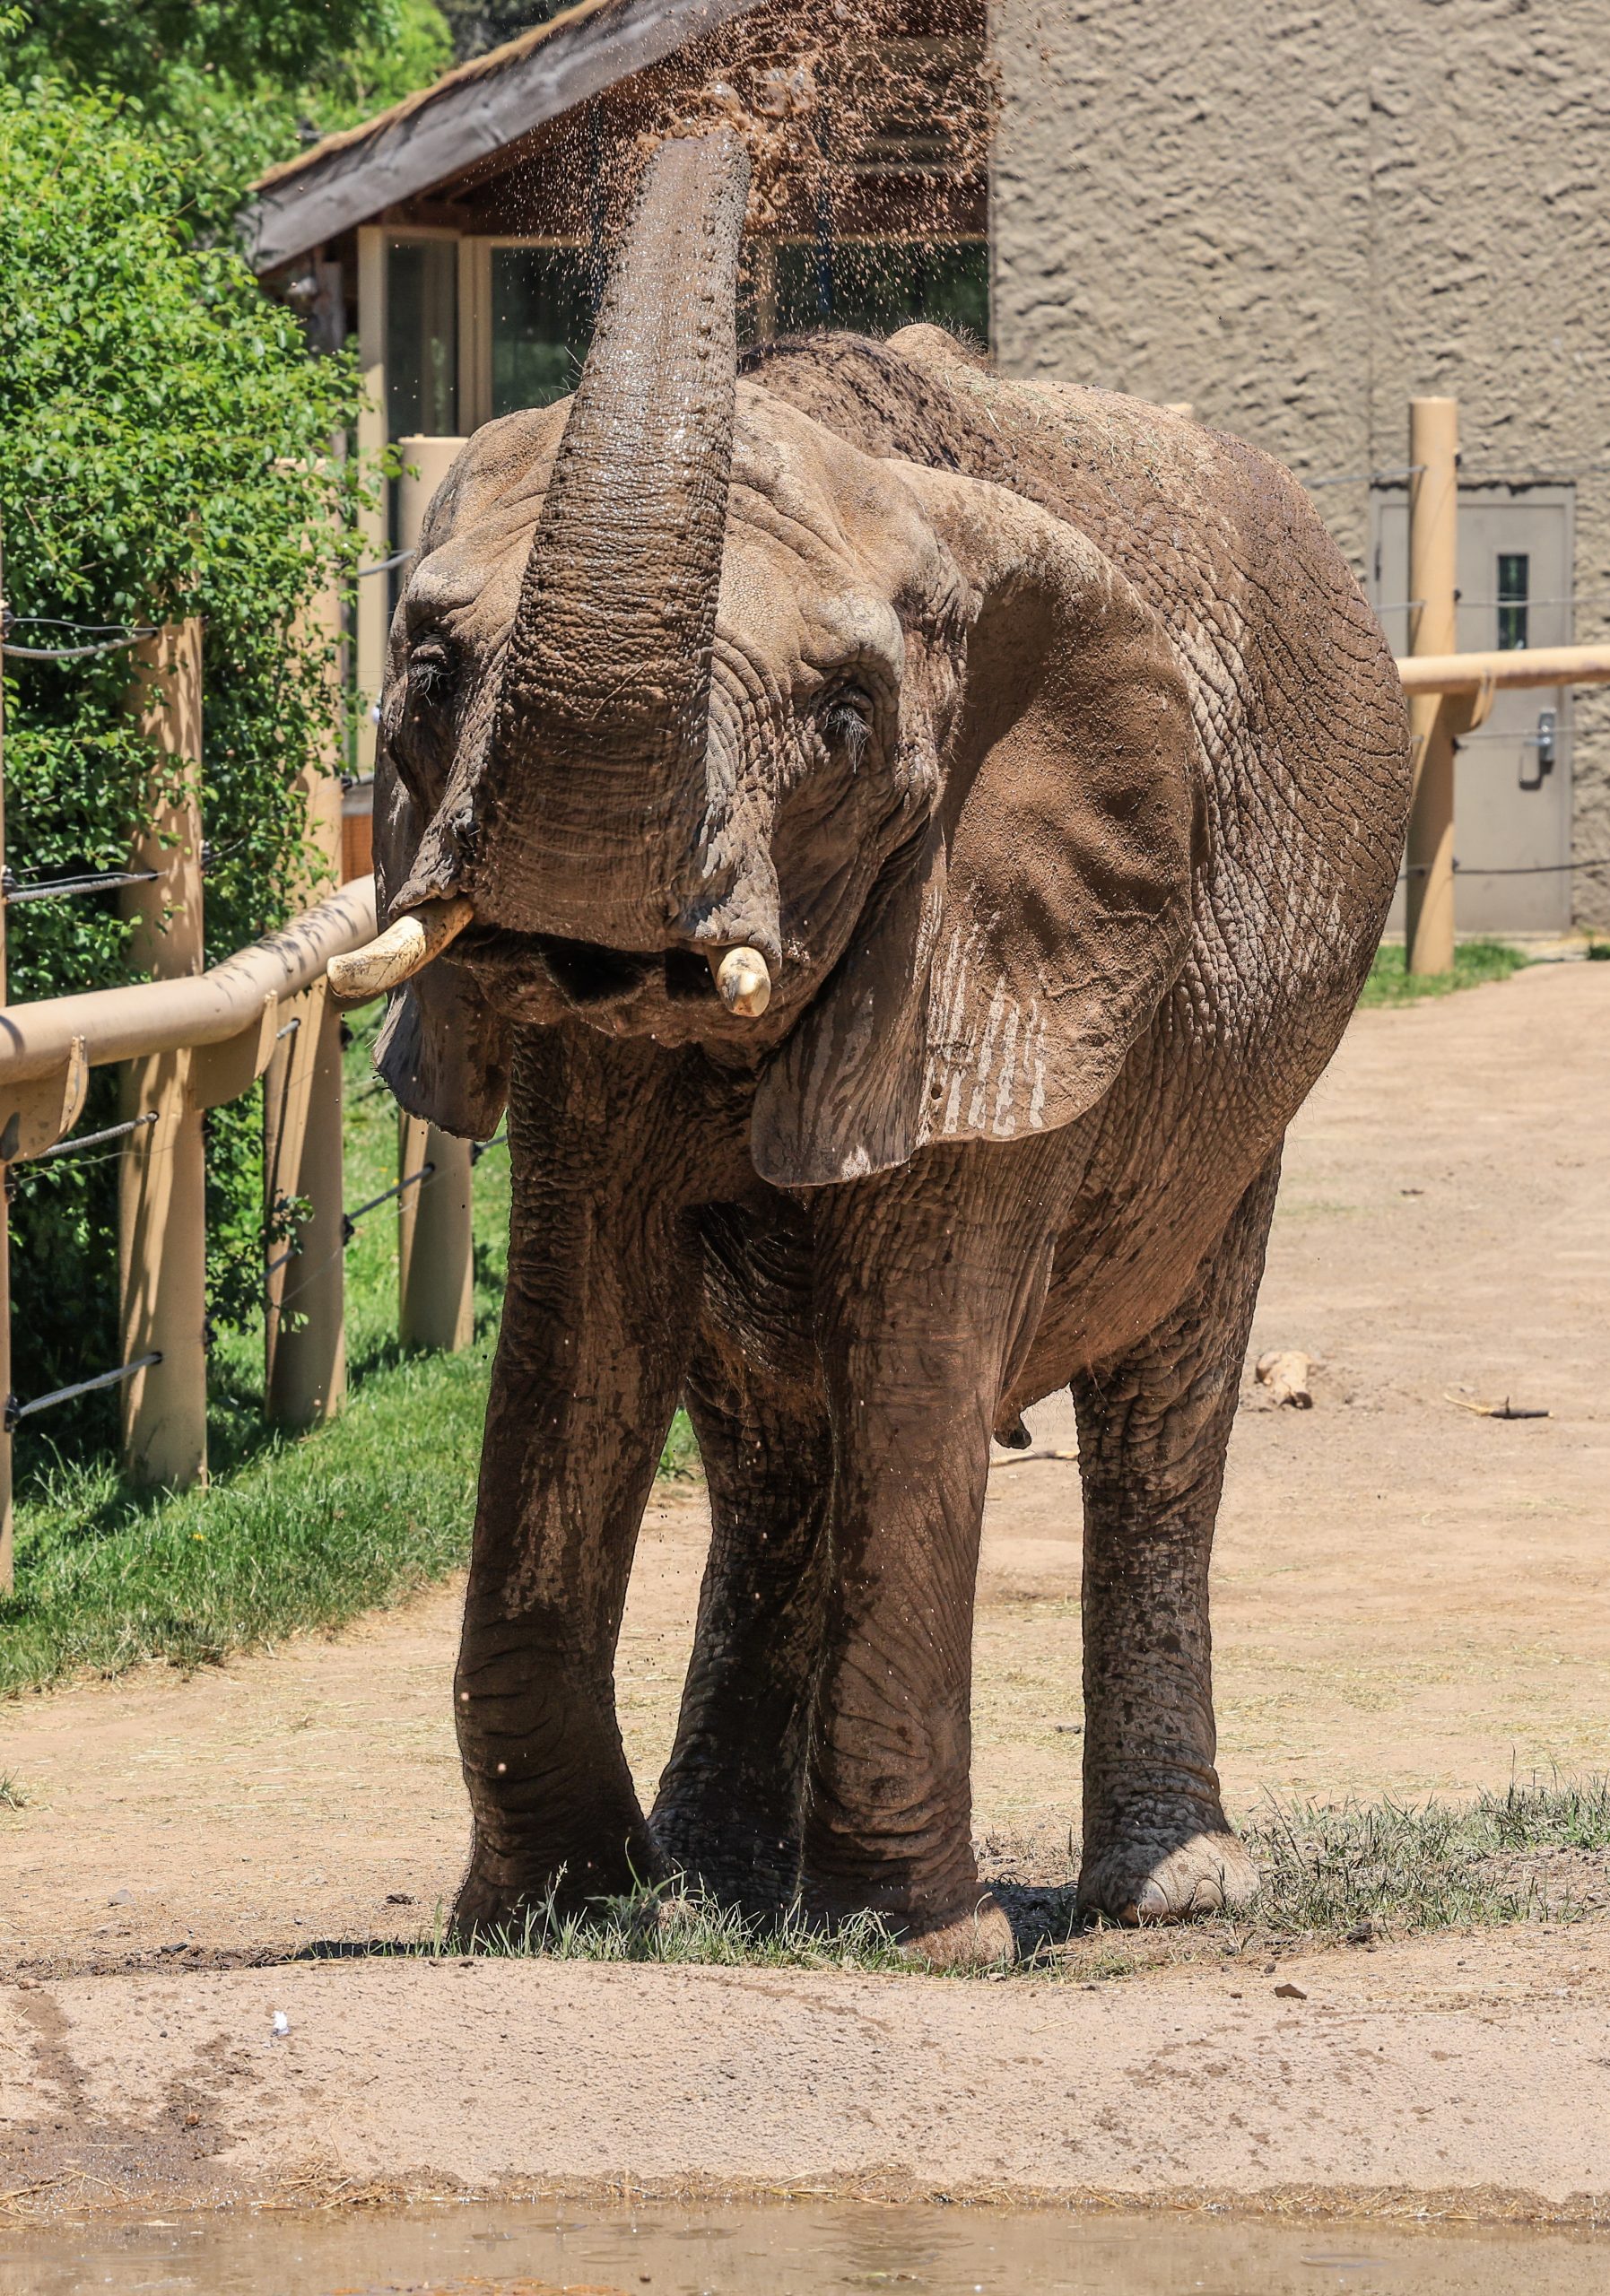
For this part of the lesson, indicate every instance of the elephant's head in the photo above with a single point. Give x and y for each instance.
(679, 672)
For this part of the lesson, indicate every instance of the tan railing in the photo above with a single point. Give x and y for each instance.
(1491, 672)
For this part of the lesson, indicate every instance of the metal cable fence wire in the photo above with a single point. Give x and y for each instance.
(13, 893)
(1360, 477)
(15, 1412)
(422, 1178)
(425, 1177)
(65, 1148)
(1473, 869)
(106, 636)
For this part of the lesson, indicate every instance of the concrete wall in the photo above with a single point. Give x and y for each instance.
(1297, 216)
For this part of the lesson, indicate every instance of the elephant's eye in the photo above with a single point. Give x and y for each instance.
(430, 673)
(420, 717)
(844, 718)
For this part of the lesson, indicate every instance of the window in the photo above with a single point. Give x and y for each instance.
(542, 322)
(1514, 592)
(873, 286)
(542, 303)
(421, 338)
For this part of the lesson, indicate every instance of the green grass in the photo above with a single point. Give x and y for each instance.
(666, 1925)
(1352, 1874)
(1475, 962)
(292, 1534)
(1392, 1867)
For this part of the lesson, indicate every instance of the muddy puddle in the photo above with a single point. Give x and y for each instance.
(798, 2249)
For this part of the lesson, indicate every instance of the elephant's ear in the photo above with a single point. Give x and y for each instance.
(441, 1049)
(1002, 971)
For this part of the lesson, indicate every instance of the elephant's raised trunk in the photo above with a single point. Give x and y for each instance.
(594, 785)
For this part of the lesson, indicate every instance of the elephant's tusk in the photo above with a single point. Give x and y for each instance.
(400, 952)
(743, 982)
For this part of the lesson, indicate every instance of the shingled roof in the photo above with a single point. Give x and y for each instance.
(475, 111)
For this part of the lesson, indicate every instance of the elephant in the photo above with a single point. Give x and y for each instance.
(902, 843)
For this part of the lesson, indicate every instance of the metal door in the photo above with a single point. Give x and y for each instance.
(1512, 780)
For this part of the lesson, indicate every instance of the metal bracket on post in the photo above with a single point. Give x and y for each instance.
(221, 1073)
(1466, 711)
(35, 1115)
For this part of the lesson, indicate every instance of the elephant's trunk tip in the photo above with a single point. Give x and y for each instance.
(743, 982)
(404, 949)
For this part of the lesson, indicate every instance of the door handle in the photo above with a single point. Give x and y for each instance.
(1542, 741)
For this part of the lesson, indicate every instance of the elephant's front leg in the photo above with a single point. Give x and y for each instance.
(1154, 1429)
(596, 1325)
(926, 1285)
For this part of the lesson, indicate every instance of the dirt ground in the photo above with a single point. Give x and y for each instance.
(1409, 1596)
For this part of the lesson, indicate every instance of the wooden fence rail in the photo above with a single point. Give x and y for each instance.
(191, 1038)
(187, 1045)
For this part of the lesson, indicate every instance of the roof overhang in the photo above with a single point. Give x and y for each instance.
(468, 115)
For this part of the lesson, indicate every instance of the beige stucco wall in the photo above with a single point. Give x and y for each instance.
(1297, 216)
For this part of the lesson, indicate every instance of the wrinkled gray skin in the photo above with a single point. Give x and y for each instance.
(1043, 744)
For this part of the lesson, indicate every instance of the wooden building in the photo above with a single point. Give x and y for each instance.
(461, 235)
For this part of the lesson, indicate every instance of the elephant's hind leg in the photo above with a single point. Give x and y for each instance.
(729, 1809)
(1154, 1429)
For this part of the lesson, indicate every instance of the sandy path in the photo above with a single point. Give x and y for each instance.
(1408, 1596)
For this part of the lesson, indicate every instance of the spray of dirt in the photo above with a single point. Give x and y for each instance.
(834, 97)
(868, 125)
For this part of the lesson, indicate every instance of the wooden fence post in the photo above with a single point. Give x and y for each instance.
(162, 1181)
(1433, 629)
(305, 1349)
(435, 1246)
(436, 1264)
(373, 613)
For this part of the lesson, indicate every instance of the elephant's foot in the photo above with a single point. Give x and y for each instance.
(505, 1895)
(738, 1857)
(487, 1909)
(954, 1923)
(1166, 1873)
(977, 1937)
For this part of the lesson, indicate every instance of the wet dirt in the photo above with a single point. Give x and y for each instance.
(807, 2248)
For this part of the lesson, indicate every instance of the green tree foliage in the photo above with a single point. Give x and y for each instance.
(134, 44)
(165, 450)
(234, 85)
